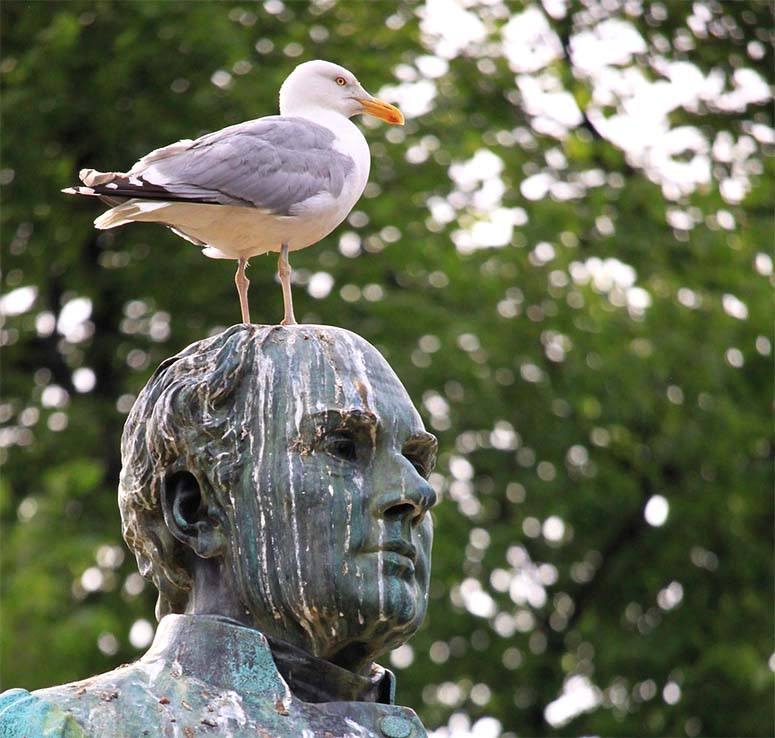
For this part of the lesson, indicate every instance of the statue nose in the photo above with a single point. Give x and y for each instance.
(408, 496)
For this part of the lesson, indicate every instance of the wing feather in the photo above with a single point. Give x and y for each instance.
(272, 163)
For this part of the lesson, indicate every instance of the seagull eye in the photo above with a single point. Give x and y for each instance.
(341, 81)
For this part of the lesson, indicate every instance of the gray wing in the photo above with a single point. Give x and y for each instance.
(271, 163)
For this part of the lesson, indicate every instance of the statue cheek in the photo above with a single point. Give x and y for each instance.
(425, 538)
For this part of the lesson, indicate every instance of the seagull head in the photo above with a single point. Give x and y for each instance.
(321, 84)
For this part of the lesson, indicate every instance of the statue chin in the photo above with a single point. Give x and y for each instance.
(358, 628)
(376, 637)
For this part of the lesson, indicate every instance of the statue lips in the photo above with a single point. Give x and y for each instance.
(397, 556)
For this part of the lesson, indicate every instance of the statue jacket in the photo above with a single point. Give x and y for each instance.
(204, 676)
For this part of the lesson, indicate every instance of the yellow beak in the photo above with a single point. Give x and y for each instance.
(382, 110)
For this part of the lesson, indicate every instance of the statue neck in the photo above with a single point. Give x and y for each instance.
(214, 595)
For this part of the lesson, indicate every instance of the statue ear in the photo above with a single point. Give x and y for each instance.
(189, 517)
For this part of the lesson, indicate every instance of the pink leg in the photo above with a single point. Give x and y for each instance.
(243, 283)
(284, 271)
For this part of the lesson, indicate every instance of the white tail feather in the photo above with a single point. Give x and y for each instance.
(126, 213)
(213, 253)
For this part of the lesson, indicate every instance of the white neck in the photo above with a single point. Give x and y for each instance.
(316, 113)
(349, 139)
(307, 109)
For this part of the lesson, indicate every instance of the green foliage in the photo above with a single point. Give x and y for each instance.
(563, 404)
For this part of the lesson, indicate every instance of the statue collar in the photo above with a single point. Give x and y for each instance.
(316, 680)
(230, 655)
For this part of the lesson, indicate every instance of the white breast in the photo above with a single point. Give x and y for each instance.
(323, 213)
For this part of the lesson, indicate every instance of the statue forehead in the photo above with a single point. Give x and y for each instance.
(323, 368)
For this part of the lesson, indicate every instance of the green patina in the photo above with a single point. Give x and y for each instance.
(25, 714)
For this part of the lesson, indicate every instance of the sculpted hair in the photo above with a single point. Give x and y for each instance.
(186, 417)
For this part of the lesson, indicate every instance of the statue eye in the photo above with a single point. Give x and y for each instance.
(342, 446)
(341, 81)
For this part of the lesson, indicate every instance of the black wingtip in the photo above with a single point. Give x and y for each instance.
(79, 191)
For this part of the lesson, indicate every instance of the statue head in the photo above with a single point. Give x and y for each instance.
(279, 476)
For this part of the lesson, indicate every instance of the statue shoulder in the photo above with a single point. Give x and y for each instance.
(26, 715)
(98, 706)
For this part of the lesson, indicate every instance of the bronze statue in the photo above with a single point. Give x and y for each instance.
(274, 489)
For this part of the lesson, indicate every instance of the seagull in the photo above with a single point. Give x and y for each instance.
(275, 184)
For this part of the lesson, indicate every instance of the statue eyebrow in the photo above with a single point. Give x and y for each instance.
(423, 438)
(340, 417)
(356, 418)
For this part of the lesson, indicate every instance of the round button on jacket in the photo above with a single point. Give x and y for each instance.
(394, 726)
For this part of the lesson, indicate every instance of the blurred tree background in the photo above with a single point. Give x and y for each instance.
(566, 256)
